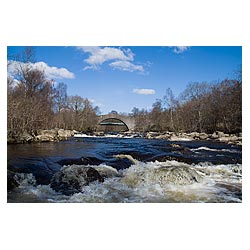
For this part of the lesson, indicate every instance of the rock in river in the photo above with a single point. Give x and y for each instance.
(71, 179)
(164, 175)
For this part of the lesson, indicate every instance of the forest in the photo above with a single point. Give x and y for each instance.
(36, 102)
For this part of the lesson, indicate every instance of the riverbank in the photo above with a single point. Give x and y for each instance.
(235, 139)
(218, 136)
(52, 135)
(42, 135)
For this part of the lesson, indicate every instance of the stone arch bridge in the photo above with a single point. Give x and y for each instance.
(115, 123)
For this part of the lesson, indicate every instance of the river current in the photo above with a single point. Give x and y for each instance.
(131, 170)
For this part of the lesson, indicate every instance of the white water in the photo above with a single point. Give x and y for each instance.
(103, 136)
(139, 183)
(214, 150)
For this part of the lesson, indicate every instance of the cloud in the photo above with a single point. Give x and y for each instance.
(126, 66)
(144, 91)
(120, 59)
(50, 71)
(180, 49)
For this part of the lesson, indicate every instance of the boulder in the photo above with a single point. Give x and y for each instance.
(220, 134)
(214, 136)
(151, 135)
(46, 135)
(203, 136)
(26, 137)
(193, 134)
(47, 132)
(45, 138)
(64, 134)
(72, 179)
(177, 175)
(163, 136)
(229, 138)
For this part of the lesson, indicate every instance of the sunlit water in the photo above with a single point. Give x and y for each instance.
(135, 170)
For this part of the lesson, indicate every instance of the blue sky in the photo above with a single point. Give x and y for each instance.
(120, 78)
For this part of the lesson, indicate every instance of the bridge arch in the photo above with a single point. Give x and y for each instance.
(112, 125)
(128, 123)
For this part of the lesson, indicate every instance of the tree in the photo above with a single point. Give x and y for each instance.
(60, 97)
(169, 101)
(156, 116)
(30, 98)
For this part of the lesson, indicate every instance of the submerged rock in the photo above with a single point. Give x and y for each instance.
(71, 179)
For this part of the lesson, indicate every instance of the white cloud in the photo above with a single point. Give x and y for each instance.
(50, 71)
(121, 58)
(180, 49)
(144, 91)
(126, 66)
(100, 55)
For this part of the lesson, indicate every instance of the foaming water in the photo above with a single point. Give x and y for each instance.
(214, 150)
(168, 181)
(124, 170)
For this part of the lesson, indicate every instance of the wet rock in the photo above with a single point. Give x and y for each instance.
(11, 180)
(177, 175)
(15, 180)
(106, 171)
(72, 179)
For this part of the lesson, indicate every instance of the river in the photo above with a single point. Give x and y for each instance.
(132, 169)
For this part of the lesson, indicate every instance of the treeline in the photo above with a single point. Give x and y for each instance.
(201, 107)
(35, 102)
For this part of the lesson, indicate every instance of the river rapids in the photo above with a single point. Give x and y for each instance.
(118, 170)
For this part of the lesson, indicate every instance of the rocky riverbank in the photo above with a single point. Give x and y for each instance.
(48, 135)
(52, 135)
(172, 136)
(216, 136)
